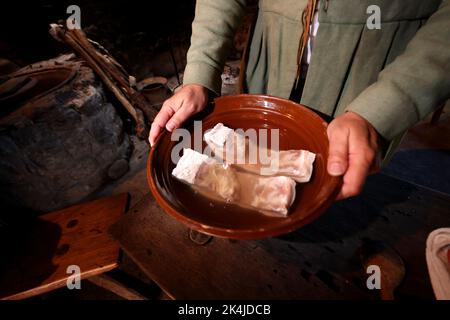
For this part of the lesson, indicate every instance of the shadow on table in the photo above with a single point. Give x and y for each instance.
(425, 167)
(28, 246)
(351, 217)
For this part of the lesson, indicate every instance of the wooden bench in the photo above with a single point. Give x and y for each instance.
(76, 236)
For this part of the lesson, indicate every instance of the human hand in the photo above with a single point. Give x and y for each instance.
(353, 147)
(191, 99)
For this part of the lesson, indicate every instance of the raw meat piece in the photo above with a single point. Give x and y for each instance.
(236, 149)
(269, 195)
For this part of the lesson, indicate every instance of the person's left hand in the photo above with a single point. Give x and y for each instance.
(352, 151)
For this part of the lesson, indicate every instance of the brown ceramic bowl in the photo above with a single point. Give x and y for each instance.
(300, 128)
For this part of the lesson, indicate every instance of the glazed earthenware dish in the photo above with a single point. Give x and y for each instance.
(299, 128)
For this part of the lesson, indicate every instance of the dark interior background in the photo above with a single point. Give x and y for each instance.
(133, 31)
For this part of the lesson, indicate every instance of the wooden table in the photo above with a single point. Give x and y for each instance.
(319, 261)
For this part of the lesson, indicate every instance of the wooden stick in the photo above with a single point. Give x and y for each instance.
(106, 73)
(79, 36)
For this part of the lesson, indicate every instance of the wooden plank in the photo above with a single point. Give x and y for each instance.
(74, 236)
(116, 287)
(319, 261)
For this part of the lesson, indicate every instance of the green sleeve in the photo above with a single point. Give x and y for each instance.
(414, 84)
(213, 30)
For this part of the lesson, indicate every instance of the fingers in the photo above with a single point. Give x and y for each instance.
(355, 176)
(190, 99)
(352, 152)
(160, 121)
(361, 157)
(183, 113)
(338, 150)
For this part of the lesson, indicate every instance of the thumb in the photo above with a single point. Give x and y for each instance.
(338, 151)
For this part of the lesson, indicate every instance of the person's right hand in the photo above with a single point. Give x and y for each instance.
(191, 99)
